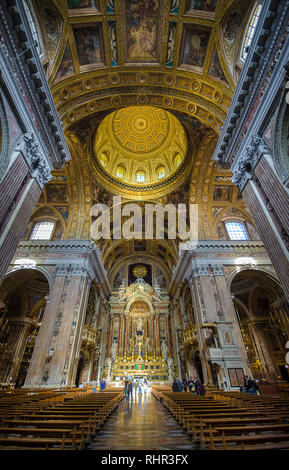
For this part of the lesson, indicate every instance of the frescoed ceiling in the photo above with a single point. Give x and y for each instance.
(110, 62)
(178, 55)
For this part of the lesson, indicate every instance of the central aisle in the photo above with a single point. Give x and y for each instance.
(143, 424)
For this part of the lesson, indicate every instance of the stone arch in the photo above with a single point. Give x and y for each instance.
(139, 297)
(54, 216)
(46, 273)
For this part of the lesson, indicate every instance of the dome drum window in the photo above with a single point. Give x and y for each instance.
(237, 230)
(42, 230)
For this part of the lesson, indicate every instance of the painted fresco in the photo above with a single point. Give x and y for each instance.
(56, 193)
(113, 43)
(195, 46)
(141, 29)
(81, 4)
(160, 278)
(87, 40)
(174, 8)
(202, 5)
(171, 43)
(216, 70)
(110, 6)
(66, 66)
(222, 193)
(53, 26)
(118, 278)
(252, 232)
(230, 30)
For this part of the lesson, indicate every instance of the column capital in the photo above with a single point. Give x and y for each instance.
(38, 164)
(248, 160)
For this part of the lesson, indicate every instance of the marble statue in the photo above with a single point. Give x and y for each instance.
(164, 349)
(113, 349)
(139, 324)
(170, 364)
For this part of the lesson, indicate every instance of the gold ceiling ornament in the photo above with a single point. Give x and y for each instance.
(141, 130)
(140, 146)
(140, 271)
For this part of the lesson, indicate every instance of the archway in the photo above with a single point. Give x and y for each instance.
(262, 312)
(23, 297)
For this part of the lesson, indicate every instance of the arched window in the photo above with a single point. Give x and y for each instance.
(103, 160)
(250, 30)
(140, 176)
(120, 172)
(177, 160)
(161, 172)
(42, 230)
(237, 230)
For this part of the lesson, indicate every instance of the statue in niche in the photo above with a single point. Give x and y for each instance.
(148, 346)
(113, 349)
(139, 325)
(164, 348)
(115, 328)
(170, 364)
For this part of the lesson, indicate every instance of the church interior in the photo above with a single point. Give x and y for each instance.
(119, 107)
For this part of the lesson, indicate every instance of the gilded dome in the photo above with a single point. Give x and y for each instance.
(140, 145)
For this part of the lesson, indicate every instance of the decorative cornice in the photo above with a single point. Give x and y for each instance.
(248, 161)
(254, 78)
(25, 68)
(37, 163)
(87, 263)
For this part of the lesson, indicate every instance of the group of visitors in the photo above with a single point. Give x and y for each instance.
(194, 386)
(138, 386)
(93, 384)
(249, 386)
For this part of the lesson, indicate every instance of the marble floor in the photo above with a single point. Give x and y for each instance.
(141, 425)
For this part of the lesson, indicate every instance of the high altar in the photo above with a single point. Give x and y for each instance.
(139, 340)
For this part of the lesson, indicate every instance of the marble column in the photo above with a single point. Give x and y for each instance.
(168, 335)
(54, 359)
(158, 344)
(120, 336)
(127, 331)
(151, 334)
(110, 335)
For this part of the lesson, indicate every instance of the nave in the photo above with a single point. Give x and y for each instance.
(142, 424)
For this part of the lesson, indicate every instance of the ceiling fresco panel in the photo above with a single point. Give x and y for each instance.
(195, 44)
(202, 5)
(74, 4)
(66, 67)
(88, 44)
(142, 29)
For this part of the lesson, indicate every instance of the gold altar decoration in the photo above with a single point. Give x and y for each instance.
(153, 368)
(140, 271)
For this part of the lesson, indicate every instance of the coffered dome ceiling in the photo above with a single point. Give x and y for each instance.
(140, 145)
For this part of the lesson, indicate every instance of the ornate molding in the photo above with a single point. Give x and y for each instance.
(248, 161)
(38, 164)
